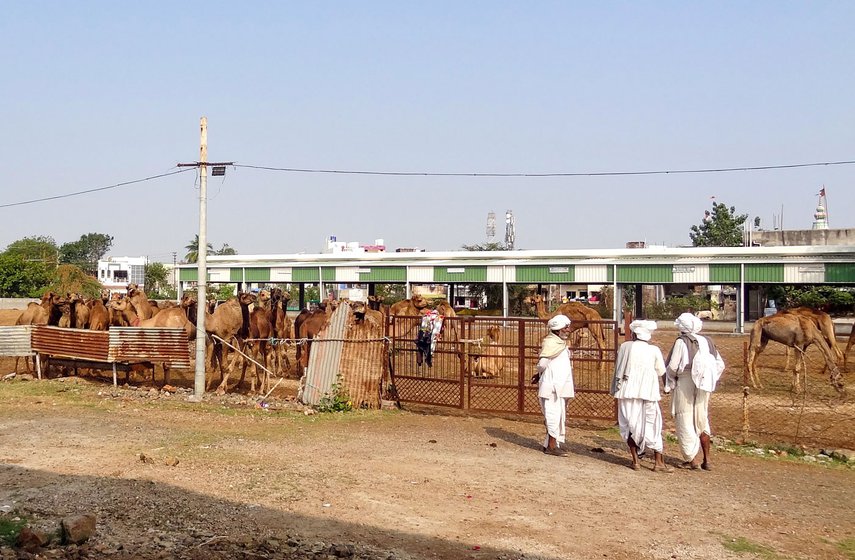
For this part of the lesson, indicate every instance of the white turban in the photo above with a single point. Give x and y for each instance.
(688, 323)
(642, 329)
(558, 322)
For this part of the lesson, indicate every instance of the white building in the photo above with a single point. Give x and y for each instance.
(336, 247)
(115, 273)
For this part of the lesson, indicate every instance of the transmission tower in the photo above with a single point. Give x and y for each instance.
(510, 234)
(491, 226)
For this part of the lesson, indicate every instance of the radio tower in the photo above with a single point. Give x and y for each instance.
(510, 234)
(491, 226)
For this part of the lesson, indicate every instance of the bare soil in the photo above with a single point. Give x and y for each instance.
(274, 482)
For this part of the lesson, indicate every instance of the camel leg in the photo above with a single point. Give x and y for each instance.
(753, 352)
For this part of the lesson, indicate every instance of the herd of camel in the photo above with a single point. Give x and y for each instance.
(252, 322)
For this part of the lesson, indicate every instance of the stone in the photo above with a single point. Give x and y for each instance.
(31, 540)
(845, 455)
(25, 377)
(77, 529)
(171, 462)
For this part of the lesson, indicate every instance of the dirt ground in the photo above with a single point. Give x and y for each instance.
(274, 482)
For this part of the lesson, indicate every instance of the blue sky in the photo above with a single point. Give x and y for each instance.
(97, 93)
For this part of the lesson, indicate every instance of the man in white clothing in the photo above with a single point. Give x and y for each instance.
(635, 385)
(694, 366)
(555, 382)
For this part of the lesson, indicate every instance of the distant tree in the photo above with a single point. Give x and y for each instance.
(720, 228)
(157, 284)
(86, 251)
(226, 250)
(193, 250)
(20, 277)
(36, 249)
(493, 292)
(491, 246)
(70, 278)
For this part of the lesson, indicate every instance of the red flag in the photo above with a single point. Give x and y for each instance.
(822, 192)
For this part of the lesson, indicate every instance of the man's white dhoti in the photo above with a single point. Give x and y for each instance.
(642, 420)
(690, 408)
(555, 417)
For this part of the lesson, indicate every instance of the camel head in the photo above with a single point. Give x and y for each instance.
(419, 302)
(493, 333)
(119, 304)
(264, 296)
(533, 299)
(187, 300)
(246, 298)
(374, 302)
(358, 308)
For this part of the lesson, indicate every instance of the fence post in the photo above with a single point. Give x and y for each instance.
(521, 380)
(465, 378)
(745, 424)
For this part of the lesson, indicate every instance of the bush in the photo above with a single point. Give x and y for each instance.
(674, 306)
(337, 400)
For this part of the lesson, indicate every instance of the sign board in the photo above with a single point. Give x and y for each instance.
(683, 269)
(812, 269)
(363, 271)
(456, 270)
(559, 269)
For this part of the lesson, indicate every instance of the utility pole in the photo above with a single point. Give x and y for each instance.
(174, 265)
(202, 260)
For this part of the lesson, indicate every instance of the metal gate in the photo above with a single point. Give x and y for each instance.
(486, 364)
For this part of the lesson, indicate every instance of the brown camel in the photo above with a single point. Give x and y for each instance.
(368, 318)
(491, 358)
(823, 322)
(581, 317)
(376, 303)
(411, 307)
(99, 315)
(307, 325)
(229, 322)
(282, 328)
(257, 346)
(849, 345)
(45, 313)
(140, 301)
(795, 331)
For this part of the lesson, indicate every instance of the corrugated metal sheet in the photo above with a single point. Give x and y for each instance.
(724, 273)
(305, 274)
(840, 272)
(383, 274)
(134, 344)
(804, 273)
(219, 274)
(15, 341)
(591, 273)
(421, 274)
(79, 344)
(691, 273)
(235, 274)
(460, 274)
(497, 274)
(766, 272)
(280, 275)
(257, 274)
(549, 274)
(329, 273)
(645, 273)
(188, 274)
(324, 358)
(347, 274)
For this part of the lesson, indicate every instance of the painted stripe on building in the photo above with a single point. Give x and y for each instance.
(421, 274)
(592, 273)
(804, 273)
(690, 273)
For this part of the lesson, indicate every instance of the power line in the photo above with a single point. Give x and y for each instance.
(108, 187)
(567, 174)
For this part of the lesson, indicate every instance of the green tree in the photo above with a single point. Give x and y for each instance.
(720, 228)
(70, 278)
(36, 249)
(86, 251)
(157, 284)
(193, 250)
(226, 250)
(20, 277)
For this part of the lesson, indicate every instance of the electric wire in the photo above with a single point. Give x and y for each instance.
(87, 191)
(558, 174)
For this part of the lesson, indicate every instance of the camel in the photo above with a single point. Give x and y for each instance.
(411, 307)
(849, 345)
(44, 313)
(372, 318)
(140, 301)
(823, 322)
(307, 325)
(376, 303)
(793, 330)
(99, 315)
(230, 320)
(581, 317)
(260, 331)
(491, 359)
(282, 327)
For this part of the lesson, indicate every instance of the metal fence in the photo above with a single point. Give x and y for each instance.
(479, 370)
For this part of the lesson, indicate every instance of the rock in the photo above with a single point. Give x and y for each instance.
(77, 529)
(9, 376)
(809, 458)
(25, 377)
(309, 411)
(31, 540)
(171, 462)
(146, 459)
(845, 455)
(168, 389)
